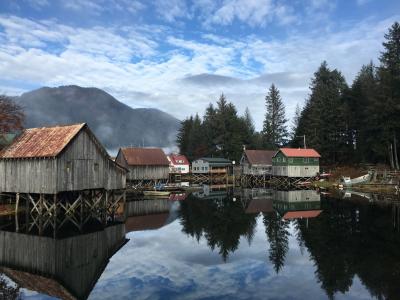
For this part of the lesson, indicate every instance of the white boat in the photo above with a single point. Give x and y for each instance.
(347, 181)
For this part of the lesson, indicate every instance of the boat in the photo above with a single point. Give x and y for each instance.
(157, 193)
(347, 181)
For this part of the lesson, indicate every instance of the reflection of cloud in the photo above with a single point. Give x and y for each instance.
(168, 264)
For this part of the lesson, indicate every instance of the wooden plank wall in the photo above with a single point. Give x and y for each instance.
(81, 166)
(148, 172)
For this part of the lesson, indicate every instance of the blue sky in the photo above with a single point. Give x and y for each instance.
(180, 55)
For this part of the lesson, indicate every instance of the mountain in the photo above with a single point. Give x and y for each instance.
(114, 123)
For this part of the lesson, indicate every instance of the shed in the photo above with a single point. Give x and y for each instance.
(257, 162)
(293, 162)
(178, 164)
(50, 160)
(211, 165)
(144, 163)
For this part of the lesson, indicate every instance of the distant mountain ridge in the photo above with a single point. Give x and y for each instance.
(114, 123)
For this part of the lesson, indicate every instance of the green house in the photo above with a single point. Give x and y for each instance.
(295, 162)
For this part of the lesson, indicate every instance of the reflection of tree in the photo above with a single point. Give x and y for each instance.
(277, 230)
(220, 222)
(350, 239)
(7, 291)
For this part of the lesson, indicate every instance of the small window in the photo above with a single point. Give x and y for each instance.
(68, 166)
(290, 160)
(305, 160)
(283, 159)
(96, 167)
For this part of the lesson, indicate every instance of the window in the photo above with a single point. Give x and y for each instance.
(305, 160)
(290, 160)
(68, 166)
(283, 159)
(96, 167)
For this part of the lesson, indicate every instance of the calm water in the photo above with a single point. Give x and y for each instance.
(236, 244)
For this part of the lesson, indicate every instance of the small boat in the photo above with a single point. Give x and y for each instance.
(156, 193)
(347, 181)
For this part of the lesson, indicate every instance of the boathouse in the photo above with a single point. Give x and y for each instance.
(57, 159)
(211, 165)
(62, 170)
(144, 164)
(295, 162)
(257, 162)
(178, 164)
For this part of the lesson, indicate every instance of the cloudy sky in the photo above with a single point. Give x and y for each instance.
(180, 55)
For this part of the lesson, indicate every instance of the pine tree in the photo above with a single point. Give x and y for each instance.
(295, 123)
(389, 84)
(274, 127)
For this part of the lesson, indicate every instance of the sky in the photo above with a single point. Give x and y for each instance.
(179, 55)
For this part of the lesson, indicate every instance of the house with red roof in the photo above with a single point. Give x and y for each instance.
(144, 163)
(257, 162)
(295, 162)
(178, 164)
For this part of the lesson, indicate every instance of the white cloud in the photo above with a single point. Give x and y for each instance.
(171, 10)
(128, 62)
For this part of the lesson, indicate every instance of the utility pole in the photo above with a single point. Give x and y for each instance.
(304, 140)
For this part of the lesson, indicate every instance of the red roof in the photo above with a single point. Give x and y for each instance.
(302, 214)
(299, 152)
(145, 156)
(260, 157)
(41, 142)
(178, 159)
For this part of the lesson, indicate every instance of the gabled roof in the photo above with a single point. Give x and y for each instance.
(299, 152)
(302, 214)
(145, 156)
(178, 159)
(216, 161)
(41, 142)
(260, 157)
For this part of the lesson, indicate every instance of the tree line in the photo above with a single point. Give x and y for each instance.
(357, 123)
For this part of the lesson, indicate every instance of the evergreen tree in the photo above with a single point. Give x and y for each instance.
(295, 123)
(389, 86)
(322, 118)
(274, 129)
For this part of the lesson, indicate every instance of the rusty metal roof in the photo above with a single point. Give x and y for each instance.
(260, 157)
(145, 156)
(41, 142)
(299, 152)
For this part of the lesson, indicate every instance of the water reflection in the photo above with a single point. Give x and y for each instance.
(219, 243)
(64, 268)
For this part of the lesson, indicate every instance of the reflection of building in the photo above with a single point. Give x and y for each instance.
(144, 163)
(257, 162)
(255, 200)
(297, 204)
(178, 164)
(216, 191)
(64, 268)
(211, 165)
(149, 214)
(293, 162)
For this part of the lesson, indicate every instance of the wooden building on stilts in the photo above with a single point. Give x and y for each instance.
(61, 174)
(256, 166)
(145, 165)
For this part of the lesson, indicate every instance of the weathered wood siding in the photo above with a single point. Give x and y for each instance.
(81, 166)
(28, 175)
(148, 172)
(257, 170)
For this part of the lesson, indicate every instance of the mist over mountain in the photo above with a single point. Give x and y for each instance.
(114, 123)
